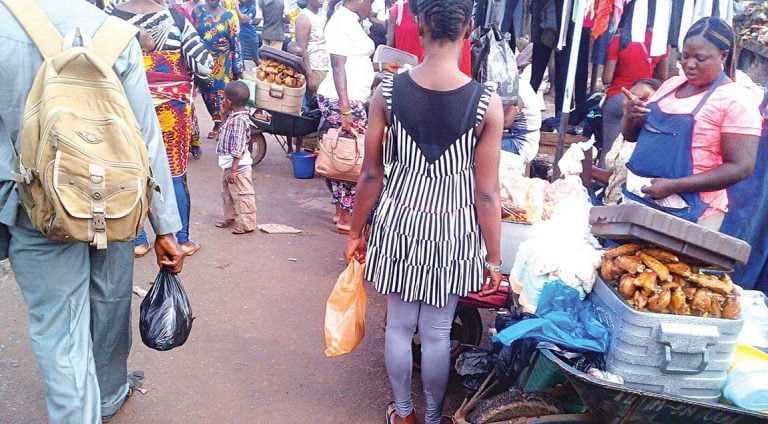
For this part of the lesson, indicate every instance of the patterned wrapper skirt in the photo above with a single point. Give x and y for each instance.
(343, 192)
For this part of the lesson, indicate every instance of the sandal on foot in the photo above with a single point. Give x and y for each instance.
(343, 229)
(225, 224)
(190, 248)
(196, 152)
(213, 135)
(141, 250)
(392, 413)
(240, 231)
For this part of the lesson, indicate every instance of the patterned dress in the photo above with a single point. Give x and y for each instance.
(179, 53)
(425, 241)
(220, 36)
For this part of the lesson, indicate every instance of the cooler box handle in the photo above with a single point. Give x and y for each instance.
(689, 340)
(276, 91)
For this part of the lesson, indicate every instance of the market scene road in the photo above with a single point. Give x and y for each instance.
(383, 211)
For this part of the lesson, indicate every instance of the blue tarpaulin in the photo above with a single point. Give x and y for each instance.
(563, 319)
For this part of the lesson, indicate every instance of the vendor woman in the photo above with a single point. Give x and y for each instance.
(697, 135)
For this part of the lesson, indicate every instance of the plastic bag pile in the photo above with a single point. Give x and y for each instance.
(561, 246)
(165, 317)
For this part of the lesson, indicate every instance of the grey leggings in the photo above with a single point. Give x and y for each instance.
(435, 333)
(613, 111)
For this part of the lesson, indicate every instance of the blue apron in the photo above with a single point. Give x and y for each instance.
(664, 151)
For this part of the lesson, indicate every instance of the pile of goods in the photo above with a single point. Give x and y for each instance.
(530, 200)
(752, 24)
(274, 72)
(656, 280)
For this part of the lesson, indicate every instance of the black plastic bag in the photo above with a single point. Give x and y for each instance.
(165, 317)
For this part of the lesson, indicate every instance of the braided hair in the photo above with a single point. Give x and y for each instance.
(719, 34)
(446, 19)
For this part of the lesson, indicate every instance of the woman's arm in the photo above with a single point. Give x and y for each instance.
(303, 31)
(487, 188)
(371, 178)
(600, 174)
(338, 64)
(609, 70)
(739, 155)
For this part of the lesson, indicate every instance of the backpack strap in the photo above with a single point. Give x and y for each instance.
(112, 38)
(37, 25)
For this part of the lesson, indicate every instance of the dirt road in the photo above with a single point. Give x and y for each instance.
(255, 354)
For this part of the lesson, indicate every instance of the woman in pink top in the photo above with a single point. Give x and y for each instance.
(697, 135)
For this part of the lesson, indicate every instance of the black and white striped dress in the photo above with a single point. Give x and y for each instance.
(425, 241)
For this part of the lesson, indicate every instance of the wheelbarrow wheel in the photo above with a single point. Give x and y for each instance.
(511, 405)
(467, 329)
(257, 146)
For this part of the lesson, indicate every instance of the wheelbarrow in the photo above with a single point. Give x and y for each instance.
(286, 129)
(606, 402)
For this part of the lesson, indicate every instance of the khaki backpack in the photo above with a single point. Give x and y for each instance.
(83, 173)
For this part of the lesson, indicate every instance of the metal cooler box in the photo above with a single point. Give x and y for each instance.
(677, 355)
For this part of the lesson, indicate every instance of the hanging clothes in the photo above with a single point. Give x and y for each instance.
(676, 15)
(661, 24)
(603, 12)
(639, 21)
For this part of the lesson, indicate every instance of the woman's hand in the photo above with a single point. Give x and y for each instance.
(492, 282)
(660, 188)
(346, 122)
(311, 82)
(636, 110)
(356, 249)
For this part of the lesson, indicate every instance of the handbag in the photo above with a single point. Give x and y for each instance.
(341, 157)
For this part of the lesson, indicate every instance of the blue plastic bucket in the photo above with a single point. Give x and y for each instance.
(303, 165)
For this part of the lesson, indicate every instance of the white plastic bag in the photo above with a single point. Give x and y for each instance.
(502, 68)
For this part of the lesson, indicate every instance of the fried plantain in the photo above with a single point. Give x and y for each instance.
(732, 307)
(712, 283)
(609, 271)
(654, 264)
(640, 300)
(646, 281)
(661, 255)
(701, 303)
(680, 268)
(630, 264)
(627, 286)
(677, 303)
(659, 301)
(624, 249)
(689, 292)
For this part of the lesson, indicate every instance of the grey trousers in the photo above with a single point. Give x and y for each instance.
(613, 112)
(79, 303)
(434, 326)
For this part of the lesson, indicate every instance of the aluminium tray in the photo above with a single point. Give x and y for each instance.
(640, 222)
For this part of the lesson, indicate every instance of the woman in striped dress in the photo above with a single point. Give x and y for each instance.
(435, 232)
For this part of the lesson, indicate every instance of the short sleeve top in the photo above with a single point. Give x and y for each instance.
(345, 36)
(732, 108)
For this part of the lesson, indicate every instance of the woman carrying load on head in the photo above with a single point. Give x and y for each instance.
(697, 135)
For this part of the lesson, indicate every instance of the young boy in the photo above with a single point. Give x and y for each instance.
(235, 159)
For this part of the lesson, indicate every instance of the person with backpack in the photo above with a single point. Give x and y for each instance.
(178, 55)
(75, 187)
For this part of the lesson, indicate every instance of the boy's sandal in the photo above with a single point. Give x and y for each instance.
(213, 135)
(240, 231)
(225, 224)
(196, 152)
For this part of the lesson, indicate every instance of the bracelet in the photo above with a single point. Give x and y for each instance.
(346, 112)
(492, 268)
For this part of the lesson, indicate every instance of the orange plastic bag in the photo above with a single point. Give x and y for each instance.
(345, 312)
